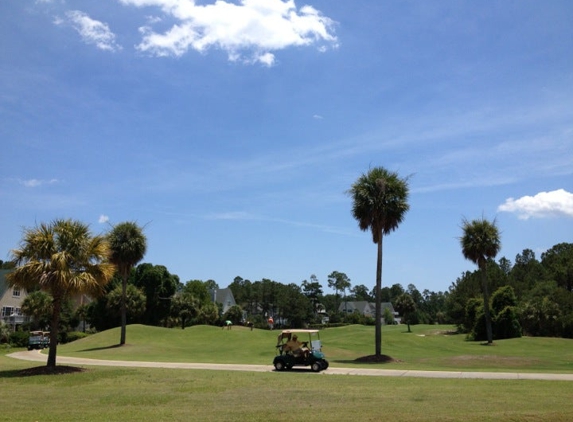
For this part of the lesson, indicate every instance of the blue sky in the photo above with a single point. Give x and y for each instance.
(232, 130)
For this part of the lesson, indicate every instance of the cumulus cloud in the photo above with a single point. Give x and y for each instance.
(544, 204)
(92, 31)
(248, 31)
(103, 219)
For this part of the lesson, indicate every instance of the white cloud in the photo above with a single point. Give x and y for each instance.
(103, 219)
(544, 204)
(34, 183)
(92, 31)
(248, 31)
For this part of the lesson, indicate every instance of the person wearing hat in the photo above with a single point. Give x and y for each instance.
(295, 346)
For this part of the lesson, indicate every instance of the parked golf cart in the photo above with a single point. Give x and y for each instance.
(309, 354)
(38, 340)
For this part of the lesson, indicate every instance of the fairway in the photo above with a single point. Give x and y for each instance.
(428, 347)
(135, 394)
(127, 394)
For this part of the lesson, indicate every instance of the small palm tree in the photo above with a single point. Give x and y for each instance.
(480, 242)
(380, 202)
(405, 306)
(128, 246)
(64, 259)
(38, 306)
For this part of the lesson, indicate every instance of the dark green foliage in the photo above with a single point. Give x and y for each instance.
(134, 303)
(234, 314)
(75, 335)
(184, 307)
(159, 286)
(506, 323)
(19, 338)
(405, 306)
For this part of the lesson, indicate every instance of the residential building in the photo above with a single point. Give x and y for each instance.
(224, 297)
(11, 299)
(368, 309)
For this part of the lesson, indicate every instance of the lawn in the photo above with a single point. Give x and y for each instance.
(128, 394)
(136, 394)
(428, 347)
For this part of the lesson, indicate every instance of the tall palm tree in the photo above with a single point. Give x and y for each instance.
(380, 202)
(480, 242)
(128, 246)
(64, 259)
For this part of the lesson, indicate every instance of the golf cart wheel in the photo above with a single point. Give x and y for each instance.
(316, 366)
(279, 365)
(324, 364)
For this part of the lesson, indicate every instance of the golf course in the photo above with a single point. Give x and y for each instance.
(105, 393)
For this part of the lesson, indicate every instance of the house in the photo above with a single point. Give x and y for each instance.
(224, 297)
(11, 302)
(368, 309)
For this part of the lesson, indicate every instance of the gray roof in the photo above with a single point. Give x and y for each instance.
(360, 306)
(3, 282)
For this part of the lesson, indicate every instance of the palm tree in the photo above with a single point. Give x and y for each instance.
(128, 246)
(380, 202)
(480, 242)
(405, 306)
(64, 259)
(38, 306)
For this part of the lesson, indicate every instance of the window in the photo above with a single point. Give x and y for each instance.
(7, 311)
(16, 292)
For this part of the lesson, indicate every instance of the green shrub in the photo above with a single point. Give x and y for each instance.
(506, 324)
(75, 335)
(19, 338)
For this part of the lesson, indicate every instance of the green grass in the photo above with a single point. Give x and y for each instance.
(128, 394)
(136, 394)
(429, 347)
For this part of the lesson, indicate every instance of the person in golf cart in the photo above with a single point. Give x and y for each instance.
(296, 347)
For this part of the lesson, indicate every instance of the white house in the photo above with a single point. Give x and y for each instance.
(11, 302)
(368, 309)
(224, 297)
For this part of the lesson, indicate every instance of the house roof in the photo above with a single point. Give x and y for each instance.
(361, 306)
(3, 282)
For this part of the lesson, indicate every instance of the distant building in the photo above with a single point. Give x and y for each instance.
(368, 309)
(11, 299)
(224, 297)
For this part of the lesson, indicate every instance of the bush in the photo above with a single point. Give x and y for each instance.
(75, 335)
(567, 326)
(19, 338)
(506, 324)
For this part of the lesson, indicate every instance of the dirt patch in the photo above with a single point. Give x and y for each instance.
(45, 370)
(376, 359)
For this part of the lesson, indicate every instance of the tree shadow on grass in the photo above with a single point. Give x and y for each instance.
(371, 359)
(42, 370)
(95, 349)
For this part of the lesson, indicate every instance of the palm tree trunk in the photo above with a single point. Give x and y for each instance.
(54, 329)
(486, 310)
(123, 309)
(378, 312)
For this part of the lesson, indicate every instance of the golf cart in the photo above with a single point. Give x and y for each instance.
(308, 353)
(38, 340)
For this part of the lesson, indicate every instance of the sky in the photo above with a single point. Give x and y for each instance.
(232, 130)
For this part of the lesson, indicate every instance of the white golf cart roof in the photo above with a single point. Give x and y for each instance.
(299, 331)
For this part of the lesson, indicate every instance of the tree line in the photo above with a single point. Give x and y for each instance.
(63, 259)
(531, 297)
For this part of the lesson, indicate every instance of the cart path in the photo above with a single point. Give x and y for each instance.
(36, 356)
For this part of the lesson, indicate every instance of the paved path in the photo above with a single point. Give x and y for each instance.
(37, 357)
